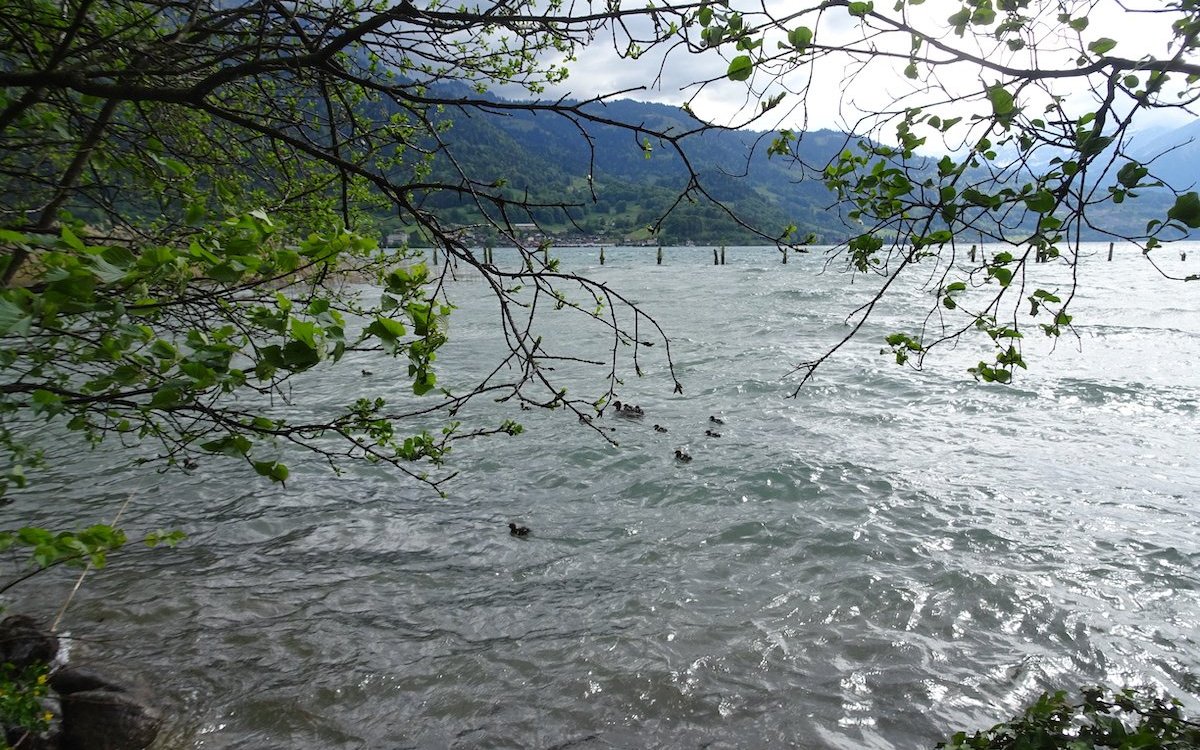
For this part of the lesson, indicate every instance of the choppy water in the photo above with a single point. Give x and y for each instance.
(884, 559)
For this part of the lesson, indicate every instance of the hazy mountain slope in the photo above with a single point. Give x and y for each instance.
(548, 158)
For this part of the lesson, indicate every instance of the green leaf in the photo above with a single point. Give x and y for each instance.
(1041, 202)
(105, 271)
(1131, 173)
(304, 331)
(299, 356)
(69, 238)
(195, 212)
(387, 330)
(166, 398)
(13, 319)
(234, 446)
(800, 37)
(959, 21)
(860, 9)
(1186, 210)
(740, 68)
(1102, 45)
(276, 472)
(983, 16)
(8, 235)
(1003, 275)
(45, 402)
(163, 350)
(423, 382)
(1002, 101)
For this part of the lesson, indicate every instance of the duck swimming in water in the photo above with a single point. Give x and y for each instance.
(659, 428)
(716, 420)
(629, 411)
(712, 433)
(516, 530)
(681, 456)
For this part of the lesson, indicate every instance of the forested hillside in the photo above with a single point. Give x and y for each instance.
(545, 157)
(634, 191)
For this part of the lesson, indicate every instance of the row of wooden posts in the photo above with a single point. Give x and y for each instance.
(1041, 257)
(719, 255)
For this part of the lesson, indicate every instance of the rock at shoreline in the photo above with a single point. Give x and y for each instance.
(23, 642)
(78, 679)
(107, 719)
(96, 710)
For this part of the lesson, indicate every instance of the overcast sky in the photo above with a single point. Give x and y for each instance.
(827, 98)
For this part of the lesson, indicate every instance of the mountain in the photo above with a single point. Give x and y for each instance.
(1173, 153)
(622, 183)
(548, 158)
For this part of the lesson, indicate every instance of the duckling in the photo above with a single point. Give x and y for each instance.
(716, 420)
(516, 530)
(367, 373)
(628, 411)
(190, 464)
(681, 456)
(659, 428)
(712, 433)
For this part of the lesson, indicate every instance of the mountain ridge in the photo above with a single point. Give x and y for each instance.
(623, 186)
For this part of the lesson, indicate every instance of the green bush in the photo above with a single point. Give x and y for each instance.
(1129, 720)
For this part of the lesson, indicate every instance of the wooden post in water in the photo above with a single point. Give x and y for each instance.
(1110, 247)
(972, 253)
(435, 258)
(722, 255)
(545, 255)
(785, 256)
(601, 255)
(715, 261)
(660, 255)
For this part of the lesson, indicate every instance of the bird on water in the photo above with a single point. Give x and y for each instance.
(629, 411)
(659, 428)
(516, 530)
(681, 456)
(716, 420)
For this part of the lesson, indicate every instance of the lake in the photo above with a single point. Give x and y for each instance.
(883, 559)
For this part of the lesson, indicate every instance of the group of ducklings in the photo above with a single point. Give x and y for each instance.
(632, 411)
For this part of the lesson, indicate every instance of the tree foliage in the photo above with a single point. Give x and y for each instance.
(190, 192)
(1127, 720)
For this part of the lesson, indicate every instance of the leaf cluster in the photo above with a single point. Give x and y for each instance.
(1130, 719)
